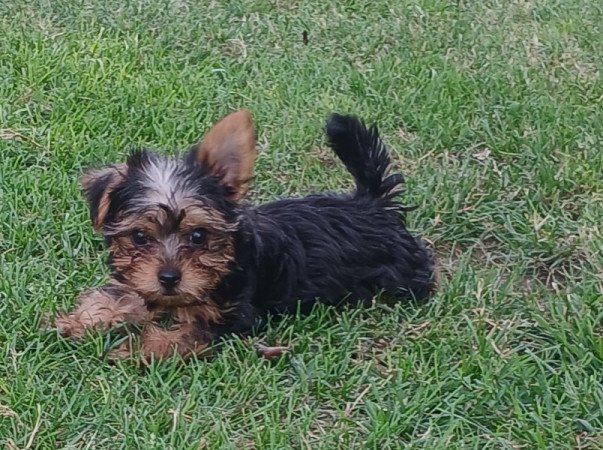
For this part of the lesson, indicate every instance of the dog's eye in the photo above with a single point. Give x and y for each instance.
(198, 236)
(140, 238)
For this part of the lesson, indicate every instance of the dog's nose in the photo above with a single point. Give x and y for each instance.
(169, 277)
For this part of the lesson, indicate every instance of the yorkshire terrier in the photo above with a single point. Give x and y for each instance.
(183, 244)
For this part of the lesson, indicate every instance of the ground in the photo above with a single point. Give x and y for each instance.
(493, 111)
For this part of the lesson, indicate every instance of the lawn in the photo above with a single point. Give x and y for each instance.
(493, 110)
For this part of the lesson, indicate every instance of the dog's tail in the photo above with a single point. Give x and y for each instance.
(365, 156)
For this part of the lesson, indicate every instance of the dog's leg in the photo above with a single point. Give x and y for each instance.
(102, 308)
(160, 343)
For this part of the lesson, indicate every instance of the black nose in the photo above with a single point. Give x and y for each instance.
(169, 277)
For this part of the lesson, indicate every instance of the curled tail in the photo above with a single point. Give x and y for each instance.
(365, 156)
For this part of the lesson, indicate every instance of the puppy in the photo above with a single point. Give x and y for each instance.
(185, 248)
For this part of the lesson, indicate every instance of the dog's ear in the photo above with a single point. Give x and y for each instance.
(228, 151)
(98, 185)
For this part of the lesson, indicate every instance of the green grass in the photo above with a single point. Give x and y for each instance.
(493, 109)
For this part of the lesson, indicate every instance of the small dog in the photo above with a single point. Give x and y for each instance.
(184, 246)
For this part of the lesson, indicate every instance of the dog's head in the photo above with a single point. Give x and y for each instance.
(170, 223)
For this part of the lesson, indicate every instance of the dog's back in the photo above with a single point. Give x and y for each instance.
(329, 247)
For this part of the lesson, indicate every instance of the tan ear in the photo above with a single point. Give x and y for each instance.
(98, 185)
(228, 150)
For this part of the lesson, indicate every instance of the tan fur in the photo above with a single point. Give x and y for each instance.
(139, 270)
(146, 223)
(117, 173)
(229, 150)
(153, 220)
(207, 311)
(201, 269)
(159, 343)
(203, 217)
(98, 309)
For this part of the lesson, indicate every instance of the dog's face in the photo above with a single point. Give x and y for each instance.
(170, 223)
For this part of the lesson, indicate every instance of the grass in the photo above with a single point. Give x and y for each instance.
(492, 109)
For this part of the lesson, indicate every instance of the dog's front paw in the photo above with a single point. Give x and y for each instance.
(100, 309)
(124, 351)
(68, 325)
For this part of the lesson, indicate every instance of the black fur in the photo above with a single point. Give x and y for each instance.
(365, 157)
(127, 194)
(327, 247)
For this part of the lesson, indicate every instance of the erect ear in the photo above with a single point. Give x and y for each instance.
(98, 185)
(228, 151)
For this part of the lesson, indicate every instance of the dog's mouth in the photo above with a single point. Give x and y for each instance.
(168, 298)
